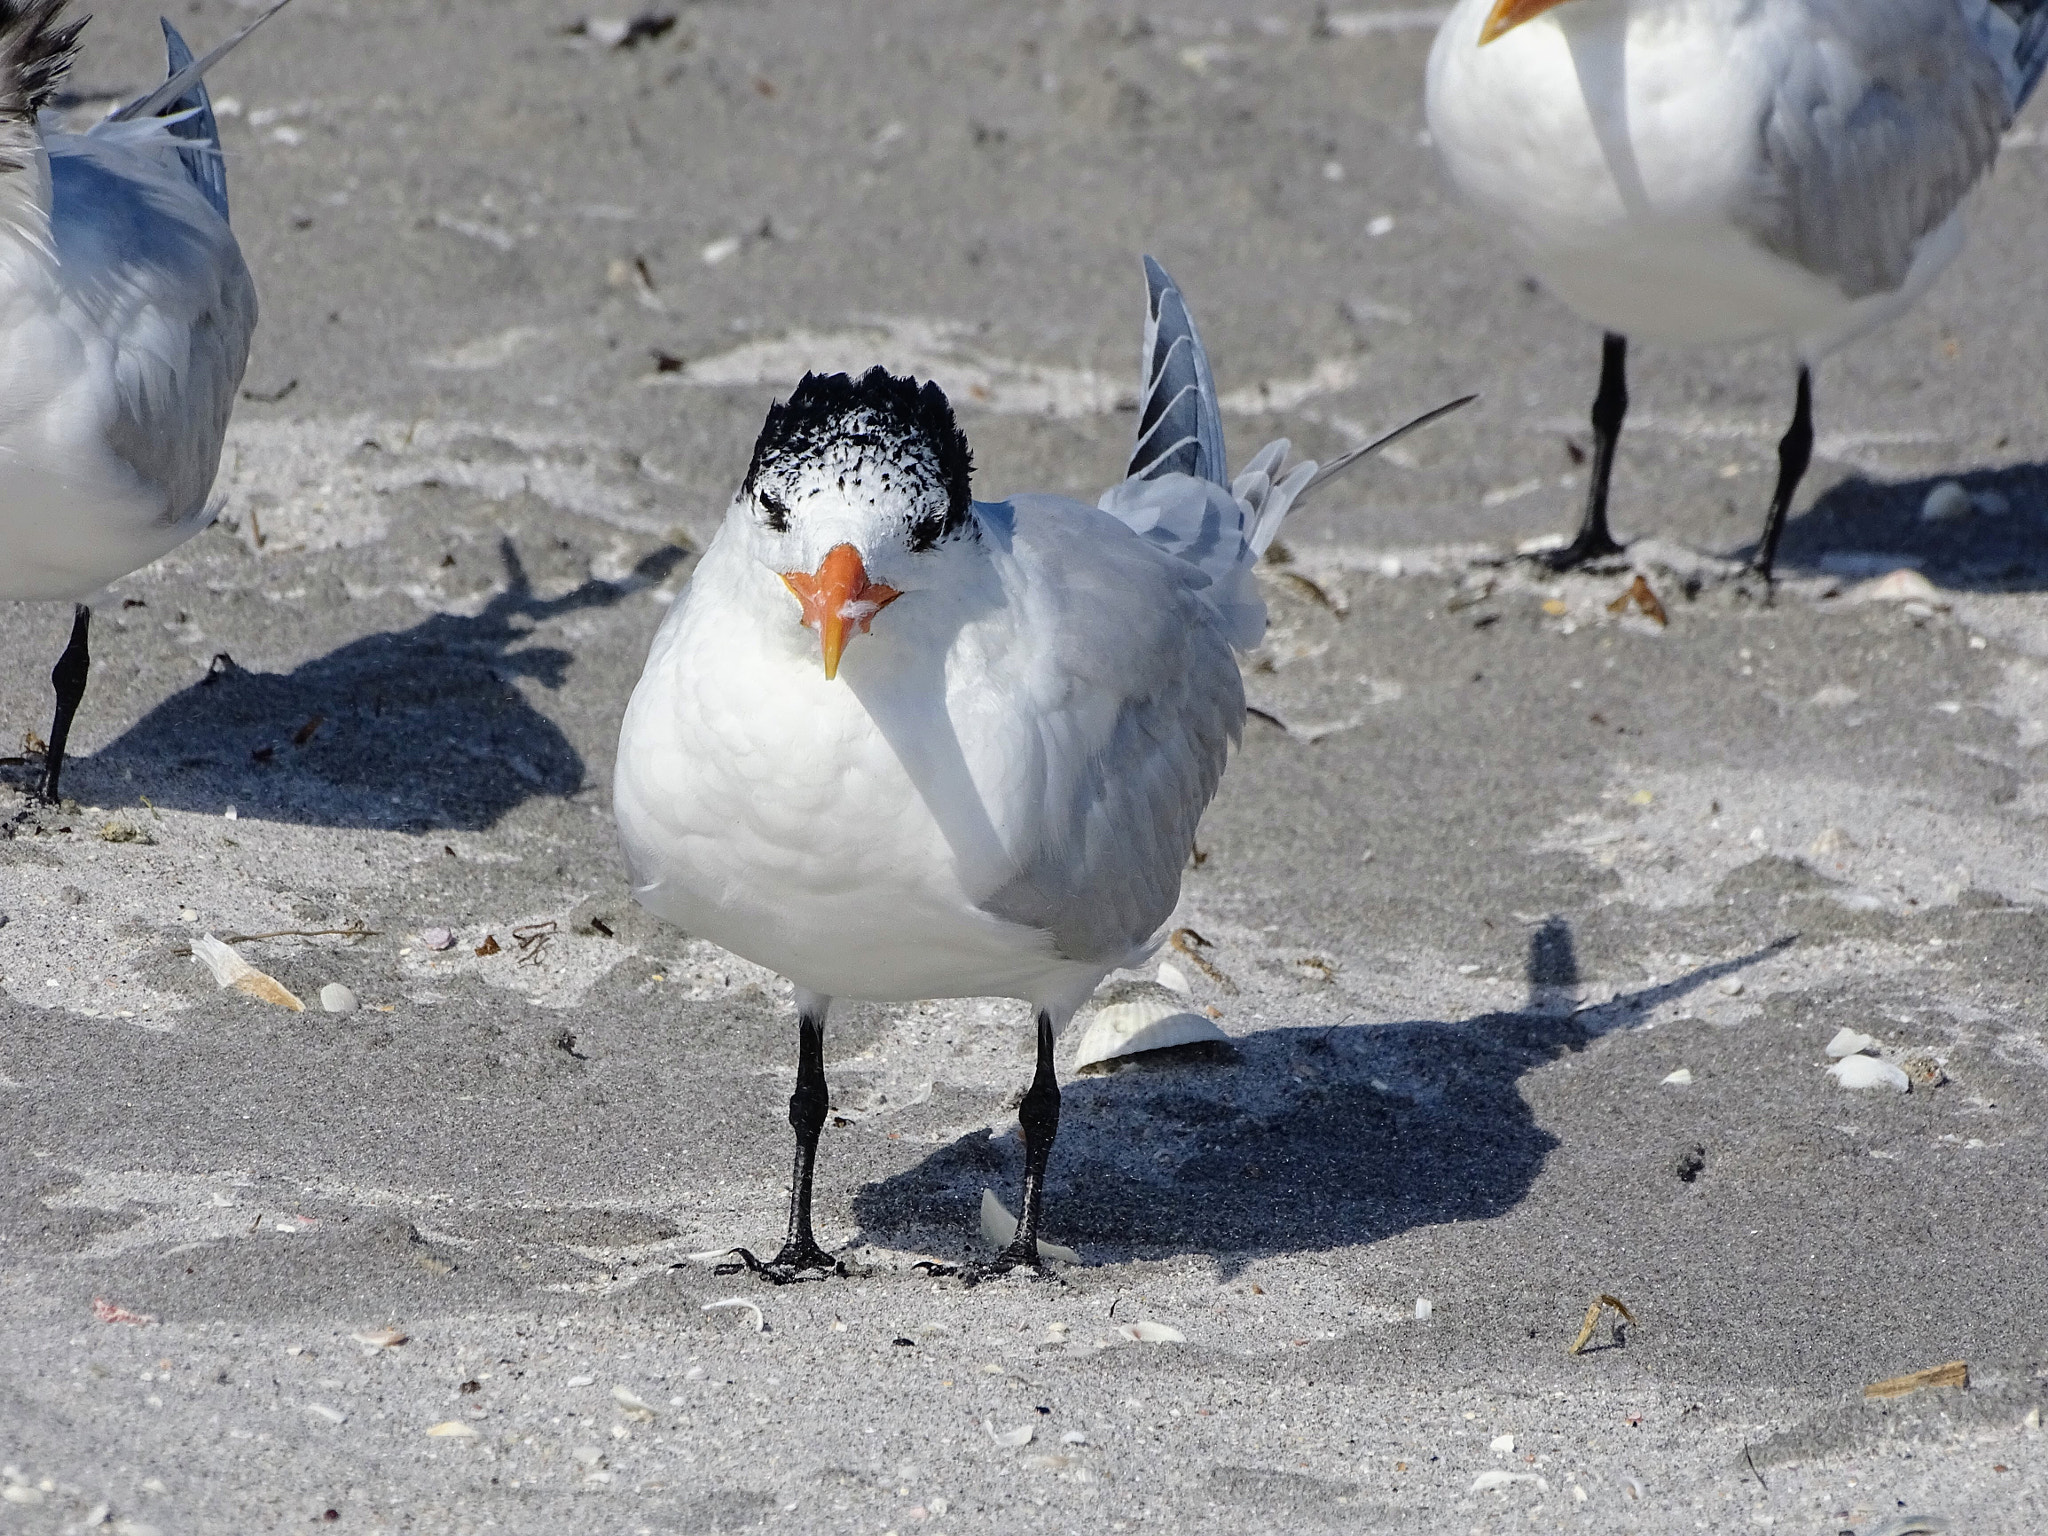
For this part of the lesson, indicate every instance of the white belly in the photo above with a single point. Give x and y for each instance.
(793, 834)
(1611, 153)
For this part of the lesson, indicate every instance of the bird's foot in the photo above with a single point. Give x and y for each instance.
(792, 1264)
(1583, 550)
(1022, 1254)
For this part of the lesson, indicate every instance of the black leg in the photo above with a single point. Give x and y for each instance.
(808, 1107)
(1610, 405)
(1795, 452)
(1039, 1118)
(68, 678)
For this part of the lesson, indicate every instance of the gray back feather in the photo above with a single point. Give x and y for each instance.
(1180, 429)
(203, 164)
(1875, 136)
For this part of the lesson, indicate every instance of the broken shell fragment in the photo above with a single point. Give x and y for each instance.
(1148, 1024)
(437, 938)
(1146, 1332)
(1680, 1079)
(231, 970)
(736, 1303)
(451, 1429)
(632, 1404)
(1495, 1480)
(999, 1229)
(1008, 1439)
(336, 998)
(1869, 1072)
(1848, 1042)
(380, 1338)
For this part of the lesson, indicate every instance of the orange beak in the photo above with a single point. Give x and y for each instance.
(838, 601)
(1510, 14)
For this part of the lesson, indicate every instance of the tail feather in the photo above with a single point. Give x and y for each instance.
(195, 121)
(183, 77)
(36, 49)
(1180, 429)
(2031, 54)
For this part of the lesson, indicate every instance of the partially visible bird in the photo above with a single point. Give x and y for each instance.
(1710, 171)
(125, 316)
(992, 782)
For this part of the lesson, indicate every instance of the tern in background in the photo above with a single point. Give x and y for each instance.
(125, 314)
(992, 782)
(1709, 171)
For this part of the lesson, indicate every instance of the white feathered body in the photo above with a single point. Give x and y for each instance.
(1706, 171)
(125, 317)
(994, 798)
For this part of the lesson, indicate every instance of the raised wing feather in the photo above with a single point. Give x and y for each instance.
(1132, 697)
(195, 121)
(1180, 429)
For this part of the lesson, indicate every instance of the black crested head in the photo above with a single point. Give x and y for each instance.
(36, 48)
(902, 430)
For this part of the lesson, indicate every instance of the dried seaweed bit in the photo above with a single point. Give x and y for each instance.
(633, 1405)
(1497, 1480)
(1188, 942)
(1956, 1373)
(1146, 1024)
(107, 1312)
(533, 940)
(1644, 599)
(489, 947)
(1147, 1332)
(1854, 1072)
(735, 1302)
(308, 731)
(1593, 1311)
(1009, 1439)
(231, 970)
(451, 1429)
(999, 1230)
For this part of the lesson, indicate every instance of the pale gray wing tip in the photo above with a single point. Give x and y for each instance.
(183, 78)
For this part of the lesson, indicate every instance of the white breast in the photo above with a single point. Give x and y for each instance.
(767, 809)
(1610, 140)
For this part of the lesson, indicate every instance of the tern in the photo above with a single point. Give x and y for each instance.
(125, 316)
(896, 743)
(1723, 171)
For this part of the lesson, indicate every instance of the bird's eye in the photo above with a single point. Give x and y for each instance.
(773, 511)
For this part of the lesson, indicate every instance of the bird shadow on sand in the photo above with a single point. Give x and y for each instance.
(1863, 527)
(416, 729)
(1294, 1140)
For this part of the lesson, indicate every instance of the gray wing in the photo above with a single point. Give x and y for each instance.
(1180, 428)
(1134, 697)
(2029, 47)
(1887, 115)
(208, 171)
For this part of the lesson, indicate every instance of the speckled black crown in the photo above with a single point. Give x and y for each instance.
(36, 48)
(900, 427)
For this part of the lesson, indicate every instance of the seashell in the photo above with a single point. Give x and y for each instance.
(1487, 1482)
(380, 1338)
(1009, 1439)
(1945, 502)
(999, 1229)
(631, 1403)
(1503, 1445)
(1151, 1333)
(451, 1429)
(1869, 1072)
(734, 1302)
(1848, 1042)
(1904, 585)
(336, 998)
(1679, 1079)
(231, 970)
(1149, 1024)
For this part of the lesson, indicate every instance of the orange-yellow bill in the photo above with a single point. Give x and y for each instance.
(838, 601)
(1510, 14)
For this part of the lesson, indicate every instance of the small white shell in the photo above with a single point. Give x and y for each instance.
(1679, 1079)
(1487, 1482)
(1945, 502)
(1174, 979)
(1848, 1042)
(1869, 1072)
(1503, 1444)
(336, 998)
(736, 1303)
(451, 1429)
(1149, 1024)
(998, 1227)
(1009, 1439)
(1148, 1332)
(634, 1406)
